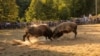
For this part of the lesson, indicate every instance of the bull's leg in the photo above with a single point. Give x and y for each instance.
(28, 37)
(75, 32)
(24, 36)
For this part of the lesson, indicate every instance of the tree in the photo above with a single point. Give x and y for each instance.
(81, 7)
(8, 10)
(40, 10)
(23, 6)
(64, 9)
(58, 9)
(30, 14)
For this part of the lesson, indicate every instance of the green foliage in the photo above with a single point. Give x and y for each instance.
(8, 10)
(29, 10)
(81, 7)
(64, 14)
(64, 9)
(23, 5)
(48, 10)
(39, 10)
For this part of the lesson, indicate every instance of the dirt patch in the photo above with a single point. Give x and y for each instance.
(86, 44)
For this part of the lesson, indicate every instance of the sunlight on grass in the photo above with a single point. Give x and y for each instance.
(86, 44)
(8, 34)
(33, 40)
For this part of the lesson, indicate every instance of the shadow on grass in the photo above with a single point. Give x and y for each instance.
(81, 39)
(10, 50)
(47, 53)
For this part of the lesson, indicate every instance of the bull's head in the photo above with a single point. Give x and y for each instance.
(57, 34)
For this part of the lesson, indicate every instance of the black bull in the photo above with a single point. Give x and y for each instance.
(41, 30)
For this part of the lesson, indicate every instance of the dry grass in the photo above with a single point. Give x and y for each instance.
(86, 44)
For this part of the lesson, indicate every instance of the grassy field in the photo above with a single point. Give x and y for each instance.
(86, 44)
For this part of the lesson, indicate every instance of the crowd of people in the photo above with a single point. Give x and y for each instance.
(88, 19)
(11, 25)
(82, 20)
